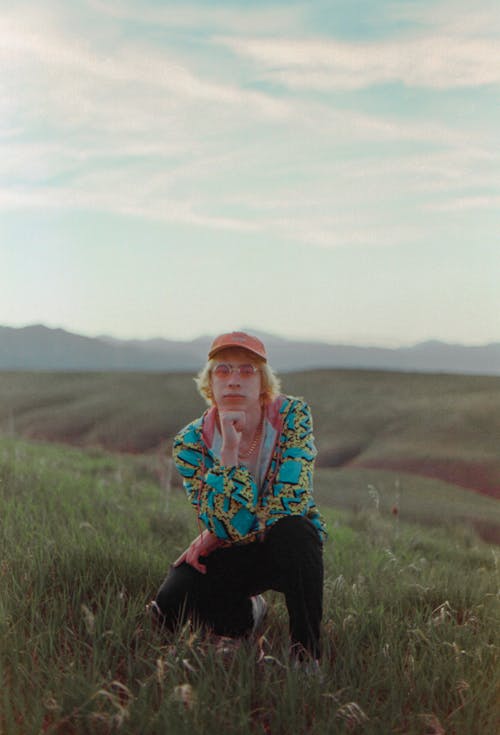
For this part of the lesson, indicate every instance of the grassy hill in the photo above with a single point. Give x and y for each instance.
(132, 412)
(410, 645)
(443, 426)
(438, 426)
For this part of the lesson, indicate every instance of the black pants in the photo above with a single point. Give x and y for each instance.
(288, 560)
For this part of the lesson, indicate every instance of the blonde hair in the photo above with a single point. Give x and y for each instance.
(270, 382)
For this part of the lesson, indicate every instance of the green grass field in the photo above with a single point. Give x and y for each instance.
(411, 625)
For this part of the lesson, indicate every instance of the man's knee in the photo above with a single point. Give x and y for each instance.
(293, 543)
(294, 530)
(178, 591)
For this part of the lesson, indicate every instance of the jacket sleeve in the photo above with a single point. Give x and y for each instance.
(226, 498)
(293, 478)
(291, 490)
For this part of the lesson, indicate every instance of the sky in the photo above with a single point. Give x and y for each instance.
(324, 169)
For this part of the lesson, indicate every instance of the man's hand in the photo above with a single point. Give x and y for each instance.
(232, 424)
(203, 545)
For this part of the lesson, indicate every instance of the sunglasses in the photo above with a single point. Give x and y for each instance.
(224, 370)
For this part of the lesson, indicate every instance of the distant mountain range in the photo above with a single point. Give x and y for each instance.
(38, 347)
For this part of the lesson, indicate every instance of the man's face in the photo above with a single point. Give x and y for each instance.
(238, 389)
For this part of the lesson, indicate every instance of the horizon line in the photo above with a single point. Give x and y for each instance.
(269, 335)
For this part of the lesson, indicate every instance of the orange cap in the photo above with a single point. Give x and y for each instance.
(238, 339)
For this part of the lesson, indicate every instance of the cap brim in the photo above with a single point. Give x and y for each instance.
(235, 346)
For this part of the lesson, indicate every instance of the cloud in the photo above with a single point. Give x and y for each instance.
(83, 198)
(436, 62)
(106, 122)
(65, 64)
(244, 18)
(467, 203)
(326, 234)
(459, 18)
(458, 168)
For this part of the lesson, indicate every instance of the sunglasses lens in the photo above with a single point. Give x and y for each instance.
(222, 370)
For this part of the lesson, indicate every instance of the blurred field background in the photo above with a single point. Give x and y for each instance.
(426, 445)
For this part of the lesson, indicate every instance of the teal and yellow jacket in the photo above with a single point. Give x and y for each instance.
(230, 502)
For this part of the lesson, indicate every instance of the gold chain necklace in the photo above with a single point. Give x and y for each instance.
(255, 441)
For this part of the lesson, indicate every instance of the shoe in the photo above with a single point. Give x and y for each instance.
(154, 612)
(259, 610)
(304, 663)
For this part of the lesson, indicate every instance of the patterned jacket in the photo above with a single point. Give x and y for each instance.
(227, 500)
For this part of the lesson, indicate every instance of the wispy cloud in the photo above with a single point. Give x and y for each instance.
(244, 18)
(436, 62)
(133, 126)
(66, 60)
(449, 171)
(467, 204)
(118, 201)
(458, 18)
